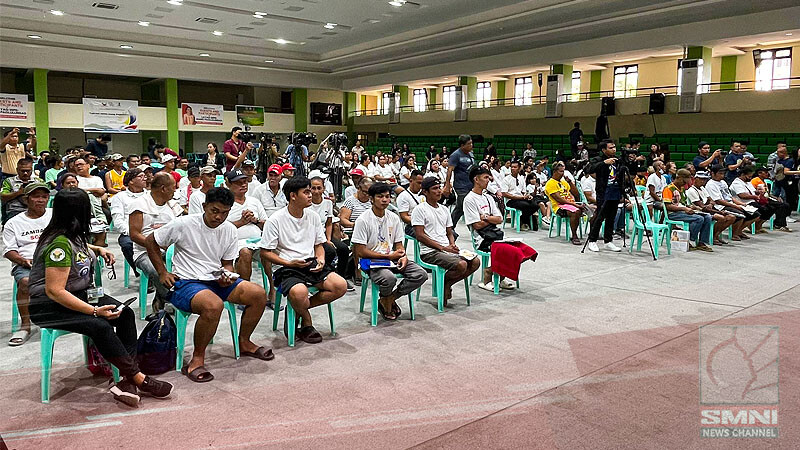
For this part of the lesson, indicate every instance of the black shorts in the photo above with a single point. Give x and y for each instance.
(286, 278)
(562, 212)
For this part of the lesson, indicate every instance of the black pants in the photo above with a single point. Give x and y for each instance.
(528, 208)
(458, 211)
(607, 213)
(781, 211)
(114, 339)
(340, 252)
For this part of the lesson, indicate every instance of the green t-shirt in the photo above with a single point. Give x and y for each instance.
(51, 175)
(182, 172)
(61, 252)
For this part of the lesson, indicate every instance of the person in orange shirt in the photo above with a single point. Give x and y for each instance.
(761, 178)
(679, 209)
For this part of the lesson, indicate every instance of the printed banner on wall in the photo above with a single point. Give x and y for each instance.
(250, 115)
(111, 116)
(14, 106)
(201, 114)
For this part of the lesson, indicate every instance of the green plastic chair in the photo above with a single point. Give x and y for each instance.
(144, 281)
(486, 262)
(659, 231)
(557, 220)
(181, 321)
(365, 281)
(49, 336)
(219, 181)
(291, 315)
(437, 285)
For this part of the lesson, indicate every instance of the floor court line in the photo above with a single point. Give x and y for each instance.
(56, 430)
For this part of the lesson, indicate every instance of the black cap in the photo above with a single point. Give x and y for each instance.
(193, 171)
(430, 182)
(235, 175)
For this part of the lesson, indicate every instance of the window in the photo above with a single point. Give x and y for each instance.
(576, 87)
(449, 98)
(626, 80)
(773, 68)
(523, 91)
(420, 100)
(484, 94)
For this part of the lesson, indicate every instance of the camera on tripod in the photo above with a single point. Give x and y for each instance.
(246, 136)
(337, 140)
(300, 139)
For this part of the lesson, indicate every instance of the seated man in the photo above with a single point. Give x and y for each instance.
(208, 177)
(655, 186)
(723, 200)
(205, 247)
(134, 182)
(384, 173)
(563, 202)
(335, 249)
(270, 194)
(433, 227)
(150, 212)
(701, 201)
(409, 199)
(378, 234)
(292, 242)
(481, 213)
(519, 198)
(747, 194)
(355, 176)
(20, 236)
(679, 208)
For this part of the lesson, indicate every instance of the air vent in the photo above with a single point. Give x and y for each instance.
(155, 16)
(208, 20)
(245, 28)
(102, 5)
(314, 38)
(294, 8)
(258, 24)
(163, 9)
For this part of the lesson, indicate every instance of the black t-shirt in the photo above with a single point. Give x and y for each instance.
(574, 136)
(97, 149)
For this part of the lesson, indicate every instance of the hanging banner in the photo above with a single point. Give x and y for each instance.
(111, 116)
(14, 106)
(201, 114)
(250, 115)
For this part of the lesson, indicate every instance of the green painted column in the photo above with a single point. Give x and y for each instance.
(501, 92)
(188, 141)
(403, 90)
(173, 112)
(703, 53)
(42, 113)
(472, 87)
(727, 73)
(349, 111)
(363, 103)
(595, 83)
(564, 69)
(300, 106)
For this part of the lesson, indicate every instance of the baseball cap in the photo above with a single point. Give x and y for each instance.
(317, 173)
(116, 157)
(287, 166)
(247, 162)
(357, 172)
(205, 170)
(235, 175)
(169, 151)
(34, 186)
(702, 174)
(275, 168)
(193, 172)
(166, 158)
(430, 182)
(144, 167)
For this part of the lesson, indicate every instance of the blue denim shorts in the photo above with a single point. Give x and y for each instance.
(19, 272)
(185, 290)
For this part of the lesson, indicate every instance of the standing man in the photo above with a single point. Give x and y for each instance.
(575, 136)
(458, 167)
(703, 161)
(208, 176)
(734, 162)
(121, 207)
(608, 190)
(20, 236)
(99, 146)
(234, 148)
(378, 234)
(11, 150)
(13, 191)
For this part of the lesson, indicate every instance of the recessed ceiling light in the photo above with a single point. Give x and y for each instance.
(126, 46)
(330, 26)
(34, 36)
(397, 3)
(268, 61)
(280, 41)
(259, 15)
(217, 33)
(56, 12)
(144, 23)
(205, 55)
(175, 2)
(788, 34)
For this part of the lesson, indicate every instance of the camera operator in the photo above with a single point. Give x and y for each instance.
(297, 153)
(609, 171)
(234, 148)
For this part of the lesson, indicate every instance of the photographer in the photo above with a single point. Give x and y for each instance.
(610, 175)
(234, 148)
(297, 153)
(735, 161)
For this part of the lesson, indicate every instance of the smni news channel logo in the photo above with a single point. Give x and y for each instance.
(739, 381)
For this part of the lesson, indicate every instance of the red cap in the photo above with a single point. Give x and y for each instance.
(287, 166)
(358, 172)
(275, 168)
(170, 151)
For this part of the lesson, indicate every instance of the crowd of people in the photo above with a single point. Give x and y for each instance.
(314, 244)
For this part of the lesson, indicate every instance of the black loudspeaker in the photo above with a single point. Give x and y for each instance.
(608, 106)
(657, 103)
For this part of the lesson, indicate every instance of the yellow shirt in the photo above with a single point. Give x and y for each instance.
(116, 180)
(10, 156)
(560, 186)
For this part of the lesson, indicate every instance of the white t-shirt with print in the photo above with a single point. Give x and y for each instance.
(293, 238)
(153, 217)
(199, 249)
(435, 222)
(378, 234)
(21, 233)
(384, 172)
(324, 210)
(474, 206)
(250, 230)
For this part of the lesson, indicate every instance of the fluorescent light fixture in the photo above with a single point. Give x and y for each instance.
(56, 12)
(175, 2)
(330, 26)
(280, 41)
(143, 23)
(217, 33)
(788, 34)
(34, 36)
(397, 3)
(204, 55)
(259, 15)
(268, 61)
(126, 46)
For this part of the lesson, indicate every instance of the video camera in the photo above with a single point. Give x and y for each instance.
(337, 140)
(300, 139)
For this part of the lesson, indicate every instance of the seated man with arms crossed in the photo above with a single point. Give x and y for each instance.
(205, 245)
(433, 227)
(562, 200)
(723, 199)
(679, 208)
(292, 241)
(378, 234)
(701, 201)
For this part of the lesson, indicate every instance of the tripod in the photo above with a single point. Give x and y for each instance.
(626, 185)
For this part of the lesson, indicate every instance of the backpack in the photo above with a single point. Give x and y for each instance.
(155, 349)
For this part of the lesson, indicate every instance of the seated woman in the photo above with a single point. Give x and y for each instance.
(62, 295)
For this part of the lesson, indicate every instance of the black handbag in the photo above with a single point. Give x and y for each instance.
(489, 234)
(155, 349)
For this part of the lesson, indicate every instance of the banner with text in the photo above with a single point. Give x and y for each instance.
(14, 106)
(250, 115)
(111, 116)
(201, 114)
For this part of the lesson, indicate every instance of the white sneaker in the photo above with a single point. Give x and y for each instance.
(505, 284)
(486, 286)
(790, 220)
(593, 247)
(611, 246)
(546, 221)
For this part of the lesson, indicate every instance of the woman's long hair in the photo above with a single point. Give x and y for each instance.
(71, 215)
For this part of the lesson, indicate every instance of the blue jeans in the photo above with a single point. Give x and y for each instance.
(699, 224)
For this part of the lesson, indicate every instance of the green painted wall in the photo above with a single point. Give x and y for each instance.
(41, 108)
(703, 53)
(403, 90)
(431, 97)
(173, 112)
(595, 83)
(188, 141)
(501, 91)
(565, 69)
(300, 106)
(472, 86)
(727, 72)
(363, 106)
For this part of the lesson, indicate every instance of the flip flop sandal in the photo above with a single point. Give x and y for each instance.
(396, 310)
(264, 354)
(18, 338)
(198, 375)
(309, 335)
(386, 315)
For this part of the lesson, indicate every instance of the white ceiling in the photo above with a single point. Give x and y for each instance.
(422, 40)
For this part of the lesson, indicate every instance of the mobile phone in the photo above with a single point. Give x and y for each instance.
(126, 303)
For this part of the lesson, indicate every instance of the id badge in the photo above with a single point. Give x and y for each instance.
(94, 294)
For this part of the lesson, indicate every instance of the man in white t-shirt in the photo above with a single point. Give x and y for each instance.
(292, 240)
(655, 186)
(723, 199)
(519, 198)
(745, 192)
(208, 177)
(378, 235)
(270, 193)
(203, 278)
(95, 187)
(20, 236)
(433, 227)
(409, 199)
(134, 182)
(701, 201)
(384, 173)
(249, 169)
(589, 188)
(366, 165)
(149, 213)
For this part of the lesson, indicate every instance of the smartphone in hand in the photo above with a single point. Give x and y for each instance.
(126, 303)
